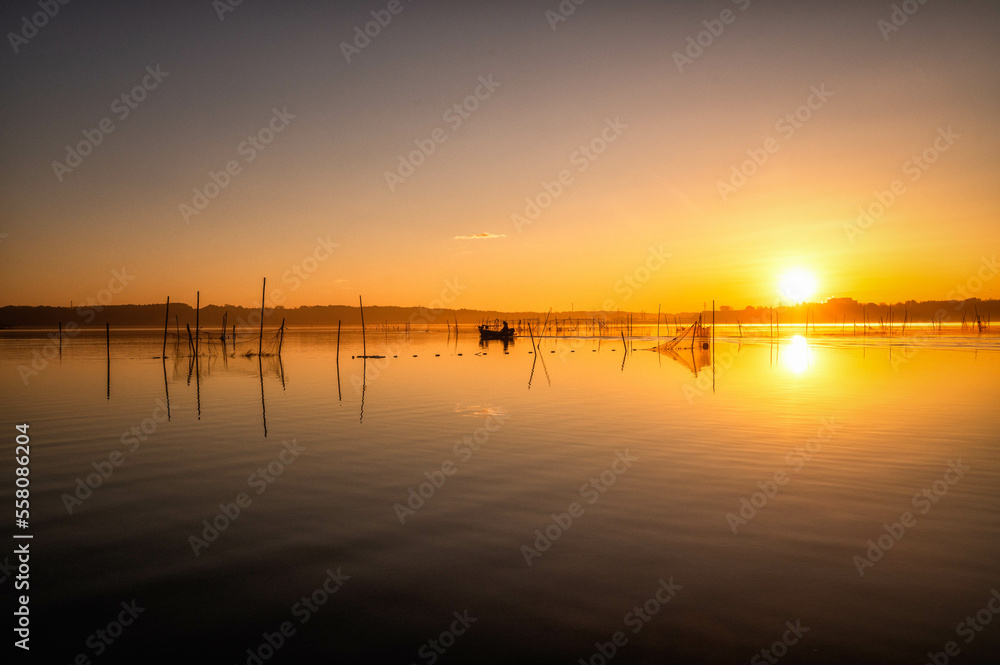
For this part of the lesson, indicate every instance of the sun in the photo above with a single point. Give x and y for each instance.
(797, 285)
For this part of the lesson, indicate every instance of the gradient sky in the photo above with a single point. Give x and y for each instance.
(654, 186)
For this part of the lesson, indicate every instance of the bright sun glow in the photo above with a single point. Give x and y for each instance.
(797, 285)
(797, 354)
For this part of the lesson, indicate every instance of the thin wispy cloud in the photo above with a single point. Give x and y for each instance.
(481, 236)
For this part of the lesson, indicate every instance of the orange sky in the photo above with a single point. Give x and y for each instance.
(655, 185)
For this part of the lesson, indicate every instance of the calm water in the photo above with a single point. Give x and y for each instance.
(841, 435)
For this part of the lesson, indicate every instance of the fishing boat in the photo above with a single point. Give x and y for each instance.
(485, 332)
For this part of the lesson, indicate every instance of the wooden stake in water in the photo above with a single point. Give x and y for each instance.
(165, 322)
(197, 329)
(338, 342)
(364, 345)
(260, 338)
(60, 337)
(713, 330)
(107, 334)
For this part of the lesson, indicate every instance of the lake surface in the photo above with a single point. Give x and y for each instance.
(567, 496)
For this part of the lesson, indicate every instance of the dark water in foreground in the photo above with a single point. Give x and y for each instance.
(827, 442)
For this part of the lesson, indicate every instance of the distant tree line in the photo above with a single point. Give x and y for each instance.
(834, 310)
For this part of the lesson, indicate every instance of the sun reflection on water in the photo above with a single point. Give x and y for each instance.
(798, 356)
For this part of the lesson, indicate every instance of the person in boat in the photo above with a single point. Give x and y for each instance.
(505, 330)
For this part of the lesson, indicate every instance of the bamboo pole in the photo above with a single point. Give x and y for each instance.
(197, 328)
(60, 337)
(166, 321)
(107, 336)
(260, 338)
(338, 342)
(364, 345)
(713, 327)
(281, 336)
